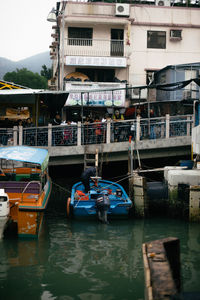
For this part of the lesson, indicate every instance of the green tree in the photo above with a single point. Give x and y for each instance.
(26, 78)
(46, 72)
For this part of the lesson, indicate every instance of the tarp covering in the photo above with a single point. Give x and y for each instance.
(174, 86)
(77, 75)
(26, 154)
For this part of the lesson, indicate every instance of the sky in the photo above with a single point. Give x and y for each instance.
(25, 30)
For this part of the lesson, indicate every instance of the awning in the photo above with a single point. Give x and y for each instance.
(54, 100)
(26, 154)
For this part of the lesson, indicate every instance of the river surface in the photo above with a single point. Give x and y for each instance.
(87, 260)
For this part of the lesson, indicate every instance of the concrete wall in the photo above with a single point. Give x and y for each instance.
(176, 52)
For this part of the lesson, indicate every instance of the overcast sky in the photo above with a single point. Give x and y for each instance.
(25, 30)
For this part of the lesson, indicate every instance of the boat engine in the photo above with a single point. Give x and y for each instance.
(4, 204)
(102, 206)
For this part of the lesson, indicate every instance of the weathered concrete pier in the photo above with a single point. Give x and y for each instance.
(177, 196)
(161, 260)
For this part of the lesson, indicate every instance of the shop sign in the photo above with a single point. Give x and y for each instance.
(119, 62)
(104, 98)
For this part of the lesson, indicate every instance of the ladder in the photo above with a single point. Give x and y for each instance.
(93, 159)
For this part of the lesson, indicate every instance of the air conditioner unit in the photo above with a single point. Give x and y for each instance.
(122, 10)
(163, 2)
(175, 34)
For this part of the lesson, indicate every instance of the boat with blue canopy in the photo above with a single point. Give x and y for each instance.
(24, 177)
(105, 199)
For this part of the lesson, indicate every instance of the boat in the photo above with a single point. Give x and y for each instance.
(4, 211)
(105, 198)
(24, 178)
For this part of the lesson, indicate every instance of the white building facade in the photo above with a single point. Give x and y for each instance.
(115, 44)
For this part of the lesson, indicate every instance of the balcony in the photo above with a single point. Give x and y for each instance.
(95, 47)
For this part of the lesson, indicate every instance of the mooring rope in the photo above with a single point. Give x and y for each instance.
(61, 187)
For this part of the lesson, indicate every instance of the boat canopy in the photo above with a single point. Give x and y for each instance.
(26, 154)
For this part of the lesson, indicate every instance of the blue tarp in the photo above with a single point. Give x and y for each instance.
(26, 154)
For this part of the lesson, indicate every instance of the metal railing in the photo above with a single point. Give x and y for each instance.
(99, 132)
(6, 136)
(94, 47)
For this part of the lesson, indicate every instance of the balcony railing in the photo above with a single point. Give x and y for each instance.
(95, 47)
(97, 133)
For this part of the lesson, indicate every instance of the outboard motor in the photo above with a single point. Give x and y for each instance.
(102, 206)
(4, 204)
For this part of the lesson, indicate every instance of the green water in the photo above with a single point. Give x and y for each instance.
(90, 261)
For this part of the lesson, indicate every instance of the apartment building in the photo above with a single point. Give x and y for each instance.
(100, 45)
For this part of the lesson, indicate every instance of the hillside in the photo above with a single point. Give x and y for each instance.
(33, 63)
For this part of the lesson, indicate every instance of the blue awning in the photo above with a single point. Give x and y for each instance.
(26, 154)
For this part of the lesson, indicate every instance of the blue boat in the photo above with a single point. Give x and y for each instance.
(105, 198)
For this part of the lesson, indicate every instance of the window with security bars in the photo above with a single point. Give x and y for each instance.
(80, 36)
(156, 39)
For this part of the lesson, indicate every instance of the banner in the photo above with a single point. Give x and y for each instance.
(104, 98)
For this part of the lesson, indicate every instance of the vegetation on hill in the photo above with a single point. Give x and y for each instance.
(33, 63)
(26, 78)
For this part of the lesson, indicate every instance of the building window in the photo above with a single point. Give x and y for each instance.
(149, 76)
(117, 42)
(80, 36)
(156, 39)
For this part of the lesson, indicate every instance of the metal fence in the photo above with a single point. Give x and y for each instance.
(97, 133)
(6, 136)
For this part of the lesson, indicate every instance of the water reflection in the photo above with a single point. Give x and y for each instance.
(105, 260)
(88, 260)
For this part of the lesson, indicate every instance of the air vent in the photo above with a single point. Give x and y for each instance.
(122, 10)
(176, 34)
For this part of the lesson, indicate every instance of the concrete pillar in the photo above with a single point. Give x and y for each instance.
(108, 132)
(20, 135)
(15, 134)
(167, 126)
(79, 134)
(49, 135)
(138, 129)
(188, 126)
(194, 204)
(137, 193)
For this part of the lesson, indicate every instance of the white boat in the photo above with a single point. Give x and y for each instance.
(4, 211)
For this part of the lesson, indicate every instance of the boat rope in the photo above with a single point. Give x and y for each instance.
(107, 186)
(61, 187)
